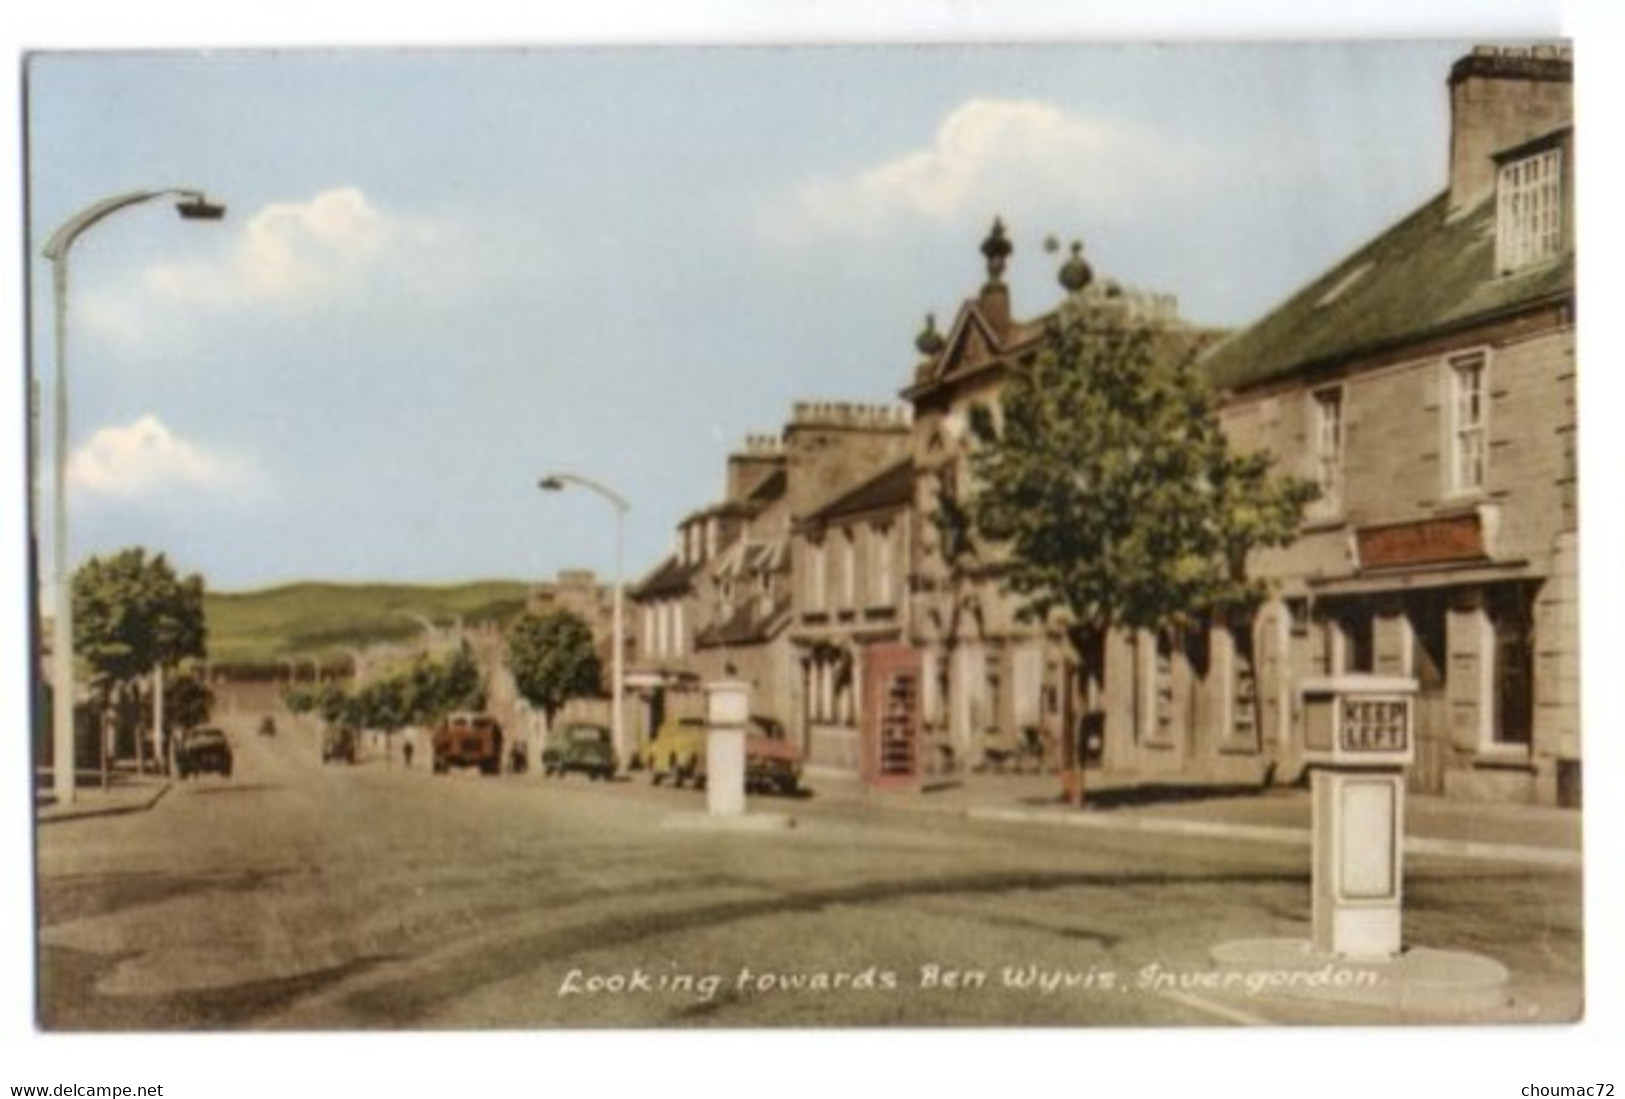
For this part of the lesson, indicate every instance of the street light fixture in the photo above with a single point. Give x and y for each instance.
(557, 482)
(192, 206)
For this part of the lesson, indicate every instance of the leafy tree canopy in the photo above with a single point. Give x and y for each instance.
(188, 701)
(1109, 491)
(132, 613)
(420, 694)
(553, 659)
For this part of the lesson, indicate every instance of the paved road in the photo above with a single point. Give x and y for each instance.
(302, 896)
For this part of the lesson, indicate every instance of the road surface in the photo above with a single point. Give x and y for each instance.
(298, 895)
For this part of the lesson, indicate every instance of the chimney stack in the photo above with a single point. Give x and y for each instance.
(1501, 96)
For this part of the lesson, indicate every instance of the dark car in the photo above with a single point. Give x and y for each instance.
(201, 751)
(582, 747)
(338, 744)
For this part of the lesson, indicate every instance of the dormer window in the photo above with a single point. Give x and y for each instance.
(1529, 211)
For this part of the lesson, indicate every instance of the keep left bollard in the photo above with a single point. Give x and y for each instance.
(1358, 739)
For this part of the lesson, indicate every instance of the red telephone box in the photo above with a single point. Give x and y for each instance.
(891, 715)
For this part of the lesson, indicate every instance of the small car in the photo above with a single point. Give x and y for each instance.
(772, 763)
(583, 747)
(267, 726)
(338, 744)
(677, 751)
(202, 750)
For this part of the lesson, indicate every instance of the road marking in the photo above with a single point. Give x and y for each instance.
(1223, 1011)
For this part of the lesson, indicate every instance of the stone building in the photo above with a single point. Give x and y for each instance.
(847, 564)
(724, 603)
(1427, 383)
(852, 602)
(992, 688)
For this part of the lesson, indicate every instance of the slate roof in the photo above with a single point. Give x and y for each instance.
(1426, 276)
(892, 487)
(670, 577)
(772, 487)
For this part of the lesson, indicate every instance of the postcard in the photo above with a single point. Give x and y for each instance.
(944, 536)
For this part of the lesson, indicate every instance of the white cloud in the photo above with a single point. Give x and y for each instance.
(144, 457)
(335, 250)
(298, 253)
(989, 155)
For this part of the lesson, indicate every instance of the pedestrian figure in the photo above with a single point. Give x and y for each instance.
(406, 754)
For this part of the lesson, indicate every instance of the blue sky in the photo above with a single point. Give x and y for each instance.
(446, 272)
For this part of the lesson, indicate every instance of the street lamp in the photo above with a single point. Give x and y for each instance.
(556, 482)
(192, 206)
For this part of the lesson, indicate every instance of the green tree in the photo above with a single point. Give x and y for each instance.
(421, 693)
(133, 616)
(553, 659)
(132, 613)
(1108, 495)
(188, 702)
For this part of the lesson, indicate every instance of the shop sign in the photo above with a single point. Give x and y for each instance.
(1428, 542)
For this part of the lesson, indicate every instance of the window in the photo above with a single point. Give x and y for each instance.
(1529, 211)
(1329, 445)
(815, 576)
(849, 570)
(1468, 450)
(880, 538)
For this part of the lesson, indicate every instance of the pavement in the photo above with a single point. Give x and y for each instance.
(125, 792)
(1532, 834)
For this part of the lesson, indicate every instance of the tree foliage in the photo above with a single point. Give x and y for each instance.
(421, 693)
(188, 701)
(553, 659)
(1109, 490)
(132, 613)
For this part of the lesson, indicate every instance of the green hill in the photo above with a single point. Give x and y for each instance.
(324, 621)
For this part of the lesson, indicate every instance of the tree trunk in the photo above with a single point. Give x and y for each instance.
(157, 720)
(1087, 644)
(107, 721)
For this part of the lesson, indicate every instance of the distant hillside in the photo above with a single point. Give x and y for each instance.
(324, 621)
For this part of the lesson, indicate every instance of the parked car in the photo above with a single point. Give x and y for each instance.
(678, 749)
(267, 726)
(338, 744)
(203, 750)
(583, 747)
(468, 740)
(772, 763)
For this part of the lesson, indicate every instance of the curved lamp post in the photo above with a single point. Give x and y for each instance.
(556, 482)
(193, 206)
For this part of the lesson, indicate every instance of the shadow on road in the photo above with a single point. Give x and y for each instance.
(73, 1005)
(1131, 797)
(80, 896)
(235, 788)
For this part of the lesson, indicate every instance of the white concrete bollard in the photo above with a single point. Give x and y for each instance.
(1358, 735)
(727, 711)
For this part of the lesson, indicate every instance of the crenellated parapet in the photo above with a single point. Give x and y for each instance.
(850, 415)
